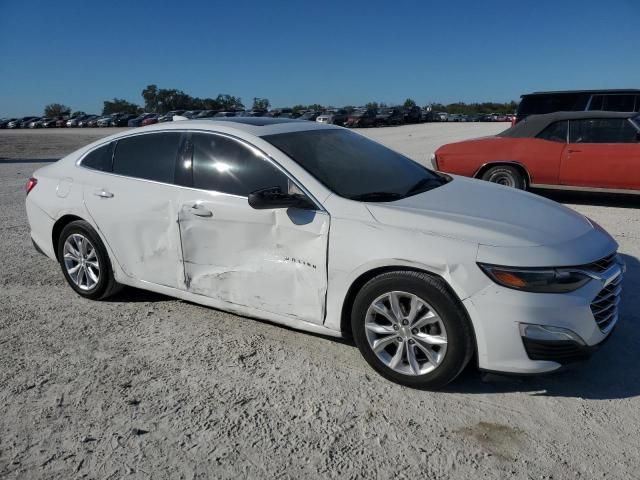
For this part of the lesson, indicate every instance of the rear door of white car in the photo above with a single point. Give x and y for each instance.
(273, 260)
(135, 205)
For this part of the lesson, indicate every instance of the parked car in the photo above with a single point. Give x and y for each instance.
(25, 123)
(168, 117)
(362, 118)
(150, 120)
(37, 122)
(93, 122)
(595, 151)
(229, 113)
(19, 122)
(191, 113)
(311, 116)
(332, 233)
(578, 100)
(333, 117)
(6, 121)
(205, 114)
(52, 122)
(137, 121)
(281, 113)
(413, 115)
(390, 116)
(122, 120)
(75, 121)
(84, 123)
(105, 120)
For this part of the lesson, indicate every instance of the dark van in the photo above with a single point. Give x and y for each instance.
(578, 100)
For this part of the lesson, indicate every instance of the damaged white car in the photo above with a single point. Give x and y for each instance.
(318, 228)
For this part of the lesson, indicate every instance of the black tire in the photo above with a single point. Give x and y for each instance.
(460, 339)
(505, 175)
(106, 284)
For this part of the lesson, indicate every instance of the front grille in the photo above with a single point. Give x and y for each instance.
(602, 264)
(605, 306)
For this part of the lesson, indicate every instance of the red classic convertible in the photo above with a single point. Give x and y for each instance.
(597, 151)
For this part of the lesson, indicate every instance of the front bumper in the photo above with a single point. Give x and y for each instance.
(569, 329)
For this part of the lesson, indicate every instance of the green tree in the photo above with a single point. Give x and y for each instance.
(119, 105)
(409, 103)
(372, 105)
(56, 110)
(150, 95)
(260, 103)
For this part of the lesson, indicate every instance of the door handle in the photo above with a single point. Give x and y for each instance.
(200, 211)
(103, 193)
(572, 150)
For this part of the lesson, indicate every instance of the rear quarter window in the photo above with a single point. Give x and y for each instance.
(100, 158)
(150, 157)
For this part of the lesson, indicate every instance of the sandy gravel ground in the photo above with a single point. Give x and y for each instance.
(144, 386)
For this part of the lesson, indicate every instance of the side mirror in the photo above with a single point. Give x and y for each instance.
(273, 197)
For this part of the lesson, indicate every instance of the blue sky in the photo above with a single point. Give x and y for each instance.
(332, 52)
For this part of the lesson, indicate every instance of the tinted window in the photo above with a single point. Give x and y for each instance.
(558, 102)
(225, 165)
(151, 156)
(619, 103)
(602, 130)
(355, 167)
(556, 132)
(100, 158)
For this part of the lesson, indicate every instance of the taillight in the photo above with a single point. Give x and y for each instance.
(32, 182)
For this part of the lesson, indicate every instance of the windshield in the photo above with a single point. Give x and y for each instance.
(355, 167)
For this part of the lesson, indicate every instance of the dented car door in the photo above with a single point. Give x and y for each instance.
(273, 260)
(136, 207)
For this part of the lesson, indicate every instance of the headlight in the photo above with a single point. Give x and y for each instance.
(540, 280)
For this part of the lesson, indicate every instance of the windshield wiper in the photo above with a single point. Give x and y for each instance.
(377, 196)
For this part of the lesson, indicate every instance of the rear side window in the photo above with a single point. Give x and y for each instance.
(100, 158)
(602, 130)
(556, 132)
(151, 156)
(225, 165)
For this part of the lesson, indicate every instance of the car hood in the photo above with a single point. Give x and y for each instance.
(484, 213)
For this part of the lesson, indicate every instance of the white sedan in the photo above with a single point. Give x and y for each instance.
(316, 227)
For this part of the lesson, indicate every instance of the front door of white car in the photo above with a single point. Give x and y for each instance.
(273, 260)
(136, 207)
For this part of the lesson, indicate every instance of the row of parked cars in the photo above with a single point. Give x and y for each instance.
(358, 117)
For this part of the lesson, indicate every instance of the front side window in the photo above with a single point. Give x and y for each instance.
(225, 165)
(151, 156)
(355, 167)
(100, 158)
(556, 132)
(602, 130)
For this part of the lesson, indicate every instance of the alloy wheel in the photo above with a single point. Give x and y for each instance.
(81, 261)
(406, 333)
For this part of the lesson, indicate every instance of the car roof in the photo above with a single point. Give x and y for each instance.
(534, 124)
(604, 91)
(257, 126)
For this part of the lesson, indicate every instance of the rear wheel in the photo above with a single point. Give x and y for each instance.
(85, 262)
(410, 329)
(505, 175)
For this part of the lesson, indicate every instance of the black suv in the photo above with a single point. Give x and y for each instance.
(390, 116)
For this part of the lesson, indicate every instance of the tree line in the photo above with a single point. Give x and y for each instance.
(163, 100)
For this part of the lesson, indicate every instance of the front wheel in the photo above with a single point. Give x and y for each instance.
(410, 329)
(505, 175)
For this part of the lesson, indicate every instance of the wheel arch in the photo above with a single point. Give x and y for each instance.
(511, 163)
(360, 281)
(58, 226)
